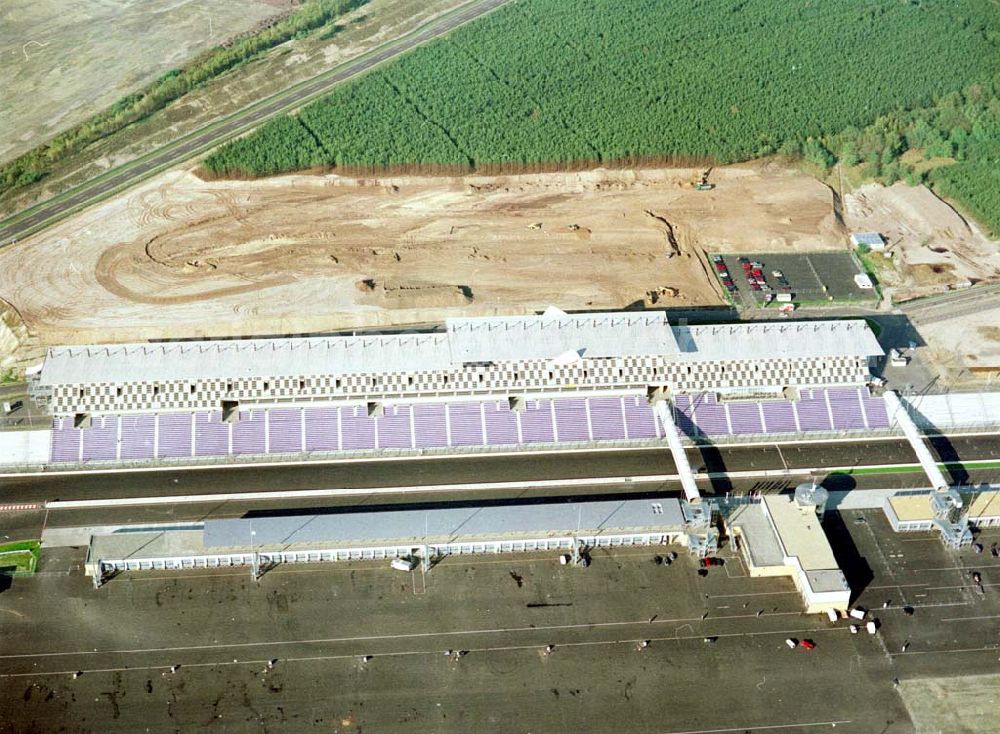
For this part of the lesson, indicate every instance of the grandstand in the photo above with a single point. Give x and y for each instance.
(479, 383)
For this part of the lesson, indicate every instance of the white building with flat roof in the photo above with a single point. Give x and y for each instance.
(473, 358)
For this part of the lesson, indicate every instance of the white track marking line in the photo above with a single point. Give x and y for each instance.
(401, 653)
(765, 727)
(965, 619)
(992, 649)
(426, 635)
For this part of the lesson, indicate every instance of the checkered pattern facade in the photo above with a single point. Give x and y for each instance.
(679, 373)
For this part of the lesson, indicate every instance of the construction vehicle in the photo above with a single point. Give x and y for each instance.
(704, 185)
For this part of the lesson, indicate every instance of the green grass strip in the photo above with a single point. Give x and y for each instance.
(916, 468)
(21, 555)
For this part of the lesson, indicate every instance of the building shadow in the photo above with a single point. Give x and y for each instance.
(839, 482)
(854, 565)
(712, 461)
(6, 577)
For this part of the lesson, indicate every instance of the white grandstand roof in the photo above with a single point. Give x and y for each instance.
(778, 340)
(245, 358)
(552, 335)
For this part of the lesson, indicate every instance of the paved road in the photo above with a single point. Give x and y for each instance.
(483, 468)
(635, 463)
(91, 192)
(954, 304)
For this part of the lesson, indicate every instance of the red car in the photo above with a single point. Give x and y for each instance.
(807, 644)
(720, 266)
(747, 266)
(711, 561)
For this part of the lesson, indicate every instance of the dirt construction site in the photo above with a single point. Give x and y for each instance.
(180, 257)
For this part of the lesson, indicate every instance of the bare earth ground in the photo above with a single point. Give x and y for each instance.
(63, 61)
(933, 247)
(965, 705)
(374, 23)
(180, 257)
(968, 340)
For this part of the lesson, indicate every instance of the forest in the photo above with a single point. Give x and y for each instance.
(572, 81)
(952, 144)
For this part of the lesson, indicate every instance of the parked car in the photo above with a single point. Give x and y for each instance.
(807, 644)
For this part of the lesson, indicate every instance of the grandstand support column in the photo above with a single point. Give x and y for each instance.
(897, 412)
(662, 409)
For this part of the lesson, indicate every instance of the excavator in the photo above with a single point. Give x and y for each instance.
(704, 185)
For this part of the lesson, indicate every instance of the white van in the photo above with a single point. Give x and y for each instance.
(404, 564)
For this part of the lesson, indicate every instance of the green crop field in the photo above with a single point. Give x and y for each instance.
(563, 81)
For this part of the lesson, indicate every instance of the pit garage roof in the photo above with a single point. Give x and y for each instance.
(490, 339)
(985, 504)
(206, 360)
(549, 336)
(373, 528)
(786, 340)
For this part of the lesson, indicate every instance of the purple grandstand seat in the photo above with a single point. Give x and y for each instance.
(429, 426)
(745, 418)
(878, 416)
(466, 424)
(606, 419)
(321, 429)
(248, 433)
(137, 436)
(571, 420)
(393, 428)
(683, 413)
(211, 435)
(709, 416)
(536, 422)
(100, 441)
(501, 424)
(845, 404)
(284, 428)
(174, 435)
(357, 430)
(639, 418)
(779, 417)
(812, 411)
(65, 441)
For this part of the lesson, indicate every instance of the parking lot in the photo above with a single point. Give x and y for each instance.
(359, 647)
(776, 280)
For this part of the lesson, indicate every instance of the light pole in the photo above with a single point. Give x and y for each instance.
(254, 563)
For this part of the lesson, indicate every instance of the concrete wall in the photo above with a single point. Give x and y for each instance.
(24, 447)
